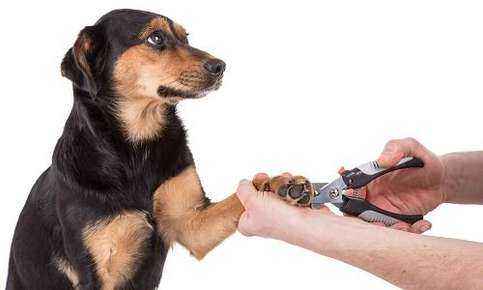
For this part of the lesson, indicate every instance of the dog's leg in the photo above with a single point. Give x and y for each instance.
(296, 190)
(184, 215)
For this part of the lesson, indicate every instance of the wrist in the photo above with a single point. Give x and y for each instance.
(331, 235)
(310, 229)
(289, 226)
(449, 184)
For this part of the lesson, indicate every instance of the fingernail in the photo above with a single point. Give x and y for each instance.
(260, 174)
(425, 228)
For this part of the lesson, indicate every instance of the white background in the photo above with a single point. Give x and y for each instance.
(309, 86)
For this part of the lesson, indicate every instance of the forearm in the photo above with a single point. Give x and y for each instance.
(407, 260)
(463, 182)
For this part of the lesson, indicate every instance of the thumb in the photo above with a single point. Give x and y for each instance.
(244, 225)
(246, 191)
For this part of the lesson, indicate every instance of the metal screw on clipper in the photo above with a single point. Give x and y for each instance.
(337, 192)
(334, 193)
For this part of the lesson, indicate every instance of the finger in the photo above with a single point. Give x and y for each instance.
(246, 191)
(391, 153)
(397, 149)
(421, 226)
(259, 179)
(380, 224)
(341, 170)
(357, 193)
(401, 226)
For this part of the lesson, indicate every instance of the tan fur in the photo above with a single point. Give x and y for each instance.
(181, 217)
(81, 48)
(281, 183)
(180, 32)
(161, 23)
(116, 245)
(157, 23)
(68, 270)
(273, 184)
(143, 118)
(140, 71)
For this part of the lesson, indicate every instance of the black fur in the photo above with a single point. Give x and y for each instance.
(95, 172)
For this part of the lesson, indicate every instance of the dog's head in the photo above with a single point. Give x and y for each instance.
(142, 63)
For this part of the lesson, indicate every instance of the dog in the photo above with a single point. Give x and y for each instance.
(122, 186)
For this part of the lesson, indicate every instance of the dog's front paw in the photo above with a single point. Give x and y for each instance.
(295, 189)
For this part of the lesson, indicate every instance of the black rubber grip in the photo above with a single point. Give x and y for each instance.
(355, 207)
(356, 178)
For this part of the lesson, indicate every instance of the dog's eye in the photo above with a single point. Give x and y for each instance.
(156, 39)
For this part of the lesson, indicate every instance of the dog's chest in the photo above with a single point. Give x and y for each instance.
(122, 245)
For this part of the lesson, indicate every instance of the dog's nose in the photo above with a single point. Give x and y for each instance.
(214, 66)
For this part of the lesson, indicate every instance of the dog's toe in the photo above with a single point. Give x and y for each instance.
(296, 190)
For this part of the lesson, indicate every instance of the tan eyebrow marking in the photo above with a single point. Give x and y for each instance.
(157, 23)
(179, 32)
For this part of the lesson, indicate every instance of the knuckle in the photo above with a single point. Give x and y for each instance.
(393, 144)
(401, 226)
(412, 142)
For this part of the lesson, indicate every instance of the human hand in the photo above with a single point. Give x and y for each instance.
(266, 214)
(412, 191)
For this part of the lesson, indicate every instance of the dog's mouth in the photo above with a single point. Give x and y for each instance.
(169, 92)
(191, 89)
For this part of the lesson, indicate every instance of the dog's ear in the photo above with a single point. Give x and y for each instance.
(85, 60)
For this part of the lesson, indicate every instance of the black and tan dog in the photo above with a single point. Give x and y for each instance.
(122, 185)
